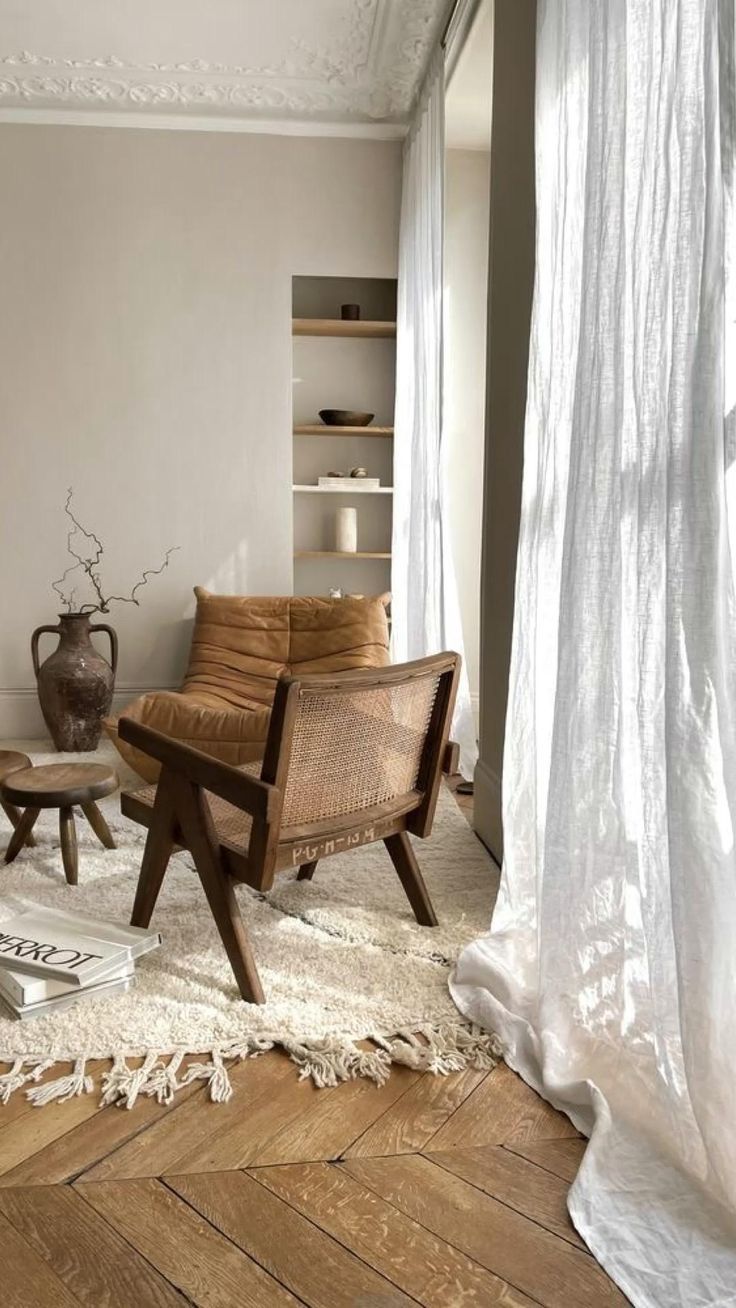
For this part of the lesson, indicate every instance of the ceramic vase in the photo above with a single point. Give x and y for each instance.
(75, 683)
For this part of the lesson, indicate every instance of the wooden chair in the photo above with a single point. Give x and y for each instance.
(351, 758)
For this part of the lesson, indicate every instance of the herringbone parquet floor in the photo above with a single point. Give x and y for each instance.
(441, 1191)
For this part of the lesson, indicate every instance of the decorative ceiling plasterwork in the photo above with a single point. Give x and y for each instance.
(368, 71)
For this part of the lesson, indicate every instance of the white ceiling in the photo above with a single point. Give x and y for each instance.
(469, 96)
(347, 65)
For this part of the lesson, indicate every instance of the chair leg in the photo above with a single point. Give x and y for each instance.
(20, 836)
(14, 815)
(403, 859)
(306, 871)
(201, 839)
(156, 855)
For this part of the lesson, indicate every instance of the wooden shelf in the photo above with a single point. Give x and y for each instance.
(338, 554)
(343, 490)
(323, 429)
(341, 327)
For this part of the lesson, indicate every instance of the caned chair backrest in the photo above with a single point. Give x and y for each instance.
(360, 745)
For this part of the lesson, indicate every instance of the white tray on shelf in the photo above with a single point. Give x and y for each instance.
(349, 483)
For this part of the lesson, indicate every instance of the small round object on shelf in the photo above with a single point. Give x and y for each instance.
(357, 473)
(350, 312)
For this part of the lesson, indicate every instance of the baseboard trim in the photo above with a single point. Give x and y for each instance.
(21, 717)
(487, 811)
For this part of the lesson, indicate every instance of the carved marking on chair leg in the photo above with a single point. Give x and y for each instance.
(196, 823)
(404, 860)
(156, 855)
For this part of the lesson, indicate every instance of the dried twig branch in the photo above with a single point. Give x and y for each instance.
(131, 599)
(89, 564)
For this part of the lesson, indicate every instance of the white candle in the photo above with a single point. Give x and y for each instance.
(346, 531)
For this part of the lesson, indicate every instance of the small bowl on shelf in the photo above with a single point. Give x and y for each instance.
(345, 418)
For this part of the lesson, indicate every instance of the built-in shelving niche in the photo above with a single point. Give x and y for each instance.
(339, 364)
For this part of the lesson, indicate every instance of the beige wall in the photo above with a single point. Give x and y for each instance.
(146, 360)
(511, 277)
(467, 196)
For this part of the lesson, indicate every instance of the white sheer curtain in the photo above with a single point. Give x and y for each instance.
(610, 968)
(425, 609)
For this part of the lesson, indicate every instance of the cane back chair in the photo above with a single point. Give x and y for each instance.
(351, 758)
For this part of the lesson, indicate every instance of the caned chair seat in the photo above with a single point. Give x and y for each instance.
(233, 825)
(350, 758)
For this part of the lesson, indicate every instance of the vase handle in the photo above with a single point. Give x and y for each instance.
(40, 631)
(102, 626)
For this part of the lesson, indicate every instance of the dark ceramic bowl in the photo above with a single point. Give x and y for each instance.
(345, 418)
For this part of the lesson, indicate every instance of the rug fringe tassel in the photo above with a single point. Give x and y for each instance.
(326, 1061)
(122, 1084)
(163, 1082)
(444, 1049)
(16, 1078)
(64, 1088)
(331, 1060)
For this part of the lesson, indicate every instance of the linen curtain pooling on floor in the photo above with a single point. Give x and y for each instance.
(425, 607)
(610, 967)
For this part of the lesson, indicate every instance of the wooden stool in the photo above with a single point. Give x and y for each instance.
(10, 761)
(60, 785)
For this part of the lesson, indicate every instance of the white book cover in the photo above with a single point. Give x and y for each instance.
(73, 995)
(19, 989)
(61, 946)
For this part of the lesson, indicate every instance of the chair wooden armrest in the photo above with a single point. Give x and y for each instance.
(239, 788)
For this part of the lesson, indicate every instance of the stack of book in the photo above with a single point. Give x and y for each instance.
(50, 959)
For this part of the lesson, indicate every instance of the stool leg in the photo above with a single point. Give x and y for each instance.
(68, 834)
(13, 815)
(21, 833)
(98, 824)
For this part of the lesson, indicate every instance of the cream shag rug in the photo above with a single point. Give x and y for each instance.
(341, 959)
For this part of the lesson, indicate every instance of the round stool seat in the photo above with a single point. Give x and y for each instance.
(62, 786)
(59, 785)
(12, 761)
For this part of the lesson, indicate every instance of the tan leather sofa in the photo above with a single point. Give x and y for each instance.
(240, 647)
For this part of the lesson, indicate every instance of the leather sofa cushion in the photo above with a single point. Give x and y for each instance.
(241, 645)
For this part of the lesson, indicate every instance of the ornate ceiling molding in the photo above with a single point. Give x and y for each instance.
(368, 72)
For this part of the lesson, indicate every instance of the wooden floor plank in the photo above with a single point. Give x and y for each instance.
(502, 1108)
(27, 1281)
(416, 1116)
(78, 1149)
(93, 1261)
(331, 1122)
(560, 1157)
(415, 1259)
(299, 1255)
(39, 1128)
(516, 1182)
(238, 1141)
(166, 1144)
(515, 1248)
(184, 1248)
